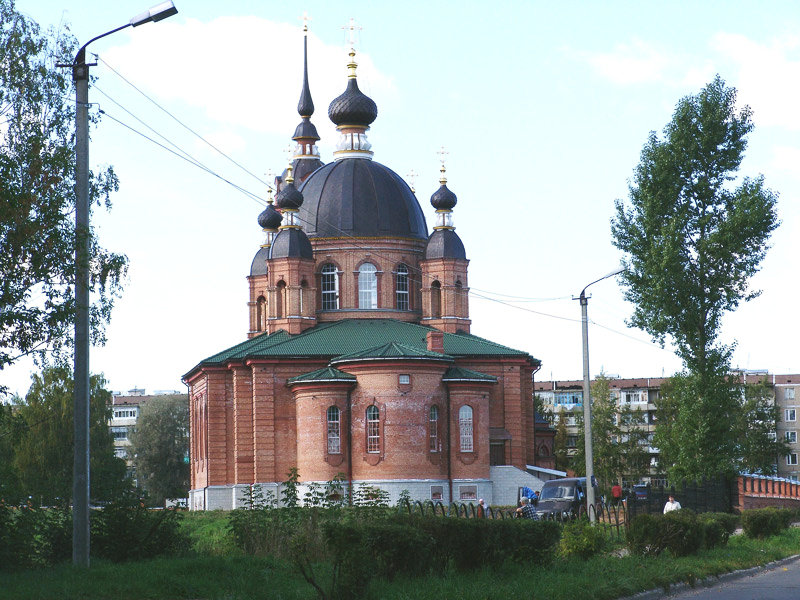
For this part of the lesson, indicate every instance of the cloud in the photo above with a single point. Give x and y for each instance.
(634, 62)
(241, 71)
(768, 76)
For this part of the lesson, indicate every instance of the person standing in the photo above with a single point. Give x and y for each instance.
(671, 504)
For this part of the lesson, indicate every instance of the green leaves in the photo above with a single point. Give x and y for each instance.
(37, 168)
(691, 241)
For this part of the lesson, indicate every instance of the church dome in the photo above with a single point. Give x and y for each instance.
(289, 197)
(360, 198)
(259, 265)
(353, 107)
(445, 243)
(291, 243)
(443, 198)
(270, 218)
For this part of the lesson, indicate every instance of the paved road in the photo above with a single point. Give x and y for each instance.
(778, 583)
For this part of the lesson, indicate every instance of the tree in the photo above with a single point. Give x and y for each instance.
(759, 446)
(43, 456)
(160, 446)
(37, 199)
(618, 440)
(560, 450)
(692, 240)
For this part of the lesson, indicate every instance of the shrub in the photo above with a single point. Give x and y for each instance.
(34, 537)
(718, 528)
(678, 531)
(125, 530)
(579, 538)
(764, 522)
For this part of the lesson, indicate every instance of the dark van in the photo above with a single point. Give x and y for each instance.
(563, 498)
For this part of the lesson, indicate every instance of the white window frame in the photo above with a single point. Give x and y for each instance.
(333, 418)
(467, 492)
(465, 428)
(788, 394)
(373, 417)
(791, 436)
(791, 459)
(437, 493)
(367, 286)
(433, 428)
(404, 379)
(402, 288)
(329, 282)
(790, 414)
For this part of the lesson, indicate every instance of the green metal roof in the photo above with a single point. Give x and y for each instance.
(350, 336)
(456, 373)
(390, 351)
(325, 374)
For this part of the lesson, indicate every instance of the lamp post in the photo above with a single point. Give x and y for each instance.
(587, 397)
(80, 477)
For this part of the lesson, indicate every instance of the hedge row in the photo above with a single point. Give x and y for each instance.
(682, 532)
(764, 522)
(39, 537)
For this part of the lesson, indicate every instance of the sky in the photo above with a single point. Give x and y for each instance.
(542, 108)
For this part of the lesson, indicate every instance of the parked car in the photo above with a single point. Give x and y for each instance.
(563, 498)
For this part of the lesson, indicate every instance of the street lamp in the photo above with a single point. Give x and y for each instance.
(587, 397)
(80, 480)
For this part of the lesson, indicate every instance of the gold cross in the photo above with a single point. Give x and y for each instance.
(352, 27)
(305, 19)
(412, 177)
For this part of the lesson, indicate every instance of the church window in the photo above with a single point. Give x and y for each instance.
(367, 286)
(433, 428)
(261, 312)
(330, 288)
(280, 300)
(459, 298)
(436, 300)
(402, 287)
(465, 428)
(334, 431)
(373, 429)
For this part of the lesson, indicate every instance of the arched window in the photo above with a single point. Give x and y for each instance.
(367, 286)
(459, 298)
(303, 291)
(436, 299)
(334, 431)
(401, 287)
(373, 429)
(465, 428)
(433, 428)
(280, 300)
(261, 313)
(329, 281)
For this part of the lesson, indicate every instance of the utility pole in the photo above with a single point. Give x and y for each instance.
(587, 398)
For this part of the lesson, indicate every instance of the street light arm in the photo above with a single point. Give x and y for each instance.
(616, 272)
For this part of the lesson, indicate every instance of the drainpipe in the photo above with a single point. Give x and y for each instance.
(349, 449)
(449, 446)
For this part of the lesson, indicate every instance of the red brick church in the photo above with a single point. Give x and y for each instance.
(359, 362)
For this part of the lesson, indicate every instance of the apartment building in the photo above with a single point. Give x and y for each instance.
(564, 399)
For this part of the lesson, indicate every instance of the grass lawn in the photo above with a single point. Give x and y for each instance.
(213, 569)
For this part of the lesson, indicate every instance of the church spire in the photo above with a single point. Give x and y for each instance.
(306, 155)
(352, 112)
(443, 200)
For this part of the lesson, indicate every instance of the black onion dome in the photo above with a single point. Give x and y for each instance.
(362, 198)
(445, 243)
(289, 197)
(353, 107)
(305, 130)
(270, 218)
(259, 266)
(303, 167)
(291, 243)
(443, 198)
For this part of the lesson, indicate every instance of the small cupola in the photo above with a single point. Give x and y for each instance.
(352, 113)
